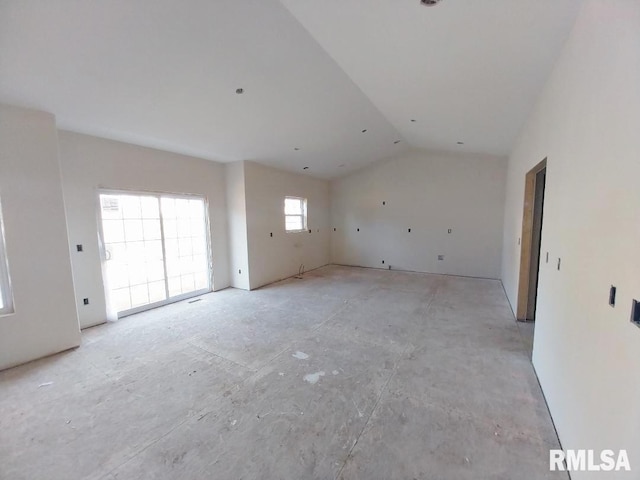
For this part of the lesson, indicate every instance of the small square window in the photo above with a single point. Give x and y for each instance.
(6, 297)
(295, 214)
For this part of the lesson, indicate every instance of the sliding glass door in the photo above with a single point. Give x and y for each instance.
(156, 249)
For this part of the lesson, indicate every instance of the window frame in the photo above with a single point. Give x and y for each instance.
(6, 293)
(303, 215)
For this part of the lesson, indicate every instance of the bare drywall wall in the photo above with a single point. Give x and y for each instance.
(45, 319)
(279, 256)
(90, 163)
(237, 220)
(586, 123)
(429, 194)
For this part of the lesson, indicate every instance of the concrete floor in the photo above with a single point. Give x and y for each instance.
(527, 330)
(349, 373)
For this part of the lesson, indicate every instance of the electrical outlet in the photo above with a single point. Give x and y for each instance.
(85, 301)
(440, 257)
(449, 231)
(79, 248)
(409, 230)
(383, 262)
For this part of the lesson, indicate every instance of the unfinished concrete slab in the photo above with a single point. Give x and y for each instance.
(348, 373)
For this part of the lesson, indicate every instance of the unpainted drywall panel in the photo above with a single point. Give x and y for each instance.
(278, 256)
(45, 319)
(401, 211)
(237, 220)
(90, 163)
(586, 123)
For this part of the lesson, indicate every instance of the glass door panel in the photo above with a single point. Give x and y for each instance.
(185, 244)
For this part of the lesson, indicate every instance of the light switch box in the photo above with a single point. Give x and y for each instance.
(635, 312)
(612, 296)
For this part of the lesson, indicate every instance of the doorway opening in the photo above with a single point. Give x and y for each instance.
(530, 244)
(156, 249)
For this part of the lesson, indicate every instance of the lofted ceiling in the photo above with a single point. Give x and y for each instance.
(465, 70)
(315, 75)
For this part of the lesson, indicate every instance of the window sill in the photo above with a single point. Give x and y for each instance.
(296, 231)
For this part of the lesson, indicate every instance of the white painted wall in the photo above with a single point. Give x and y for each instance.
(45, 319)
(237, 220)
(587, 119)
(428, 193)
(280, 256)
(90, 163)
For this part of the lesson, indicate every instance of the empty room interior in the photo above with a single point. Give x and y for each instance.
(346, 239)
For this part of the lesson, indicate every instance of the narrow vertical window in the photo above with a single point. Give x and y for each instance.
(6, 296)
(295, 214)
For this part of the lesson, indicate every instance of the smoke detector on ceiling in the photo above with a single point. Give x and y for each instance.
(430, 3)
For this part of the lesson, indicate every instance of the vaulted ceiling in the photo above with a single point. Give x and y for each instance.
(332, 85)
